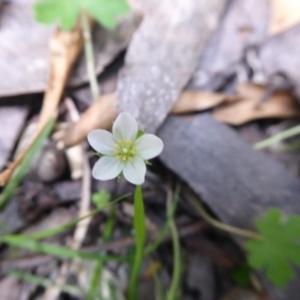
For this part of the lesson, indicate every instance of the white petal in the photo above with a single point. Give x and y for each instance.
(102, 141)
(135, 170)
(107, 167)
(148, 146)
(125, 127)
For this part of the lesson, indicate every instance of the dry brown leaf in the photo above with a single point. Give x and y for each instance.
(64, 50)
(280, 105)
(100, 114)
(190, 101)
(103, 112)
(284, 15)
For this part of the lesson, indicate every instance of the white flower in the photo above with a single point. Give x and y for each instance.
(123, 151)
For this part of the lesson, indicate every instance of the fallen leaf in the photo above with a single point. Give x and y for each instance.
(100, 114)
(284, 15)
(191, 101)
(281, 104)
(64, 50)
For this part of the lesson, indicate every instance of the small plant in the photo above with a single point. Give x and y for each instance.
(67, 12)
(126, 151)
(278, 247)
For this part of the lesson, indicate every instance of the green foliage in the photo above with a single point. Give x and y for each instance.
(43, 282)
(101, 199)
(140, 239)
(66, 12)
(278, 248)
(106, 11)
(54, 250)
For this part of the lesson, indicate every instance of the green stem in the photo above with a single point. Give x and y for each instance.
(140, 238)
(203, 213)
(89, 55)
(278, 137)
(163, 232)
(173, 290)
(95, 280)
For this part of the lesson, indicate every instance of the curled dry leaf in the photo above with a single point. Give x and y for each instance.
(64, 50)
(102, 113)
(190, 101)
(280, 104)
(285, 14)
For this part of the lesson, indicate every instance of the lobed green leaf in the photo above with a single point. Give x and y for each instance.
(278, 249)
(66, 12)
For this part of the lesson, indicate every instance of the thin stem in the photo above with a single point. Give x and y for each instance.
(203, 213)
(278, 137)
(172, 293)
(140, 238)
(89, 55)
(164, 231)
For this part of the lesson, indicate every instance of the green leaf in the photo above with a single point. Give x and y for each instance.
(101, 198)
(140, 238)
(54, 250)
(63, 11)
(278, 249)
(44, 282)
(106, 12)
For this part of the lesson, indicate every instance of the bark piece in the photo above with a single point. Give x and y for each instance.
(162, 57)
(237, 182)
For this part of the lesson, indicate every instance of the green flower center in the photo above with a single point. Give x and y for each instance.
(124, 150)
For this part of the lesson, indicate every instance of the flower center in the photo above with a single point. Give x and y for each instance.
(124, 150)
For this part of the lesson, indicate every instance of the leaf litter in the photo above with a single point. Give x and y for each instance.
(173, 49)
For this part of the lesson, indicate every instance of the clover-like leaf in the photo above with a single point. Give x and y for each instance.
(65, 12)
(106, 11)
(101, 199)
(278, 248)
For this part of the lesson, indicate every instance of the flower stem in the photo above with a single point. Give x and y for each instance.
(140, 238)
(173, 290)
(203, 213)
(89, 55)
